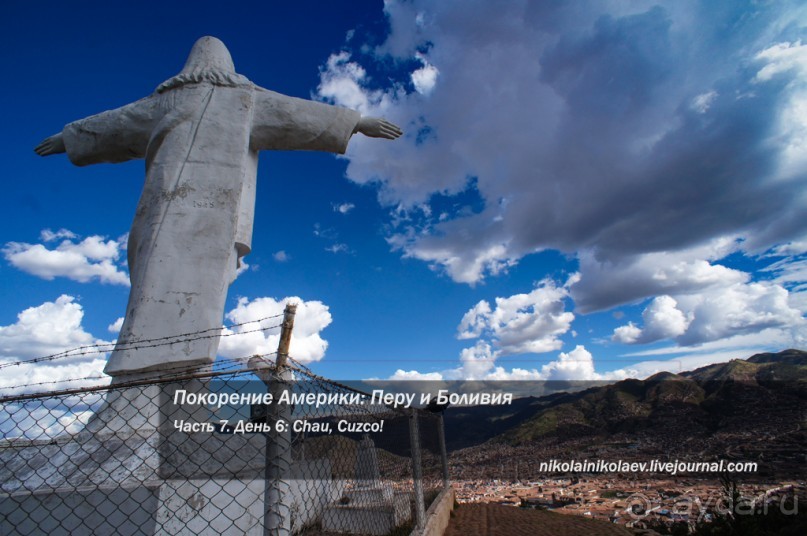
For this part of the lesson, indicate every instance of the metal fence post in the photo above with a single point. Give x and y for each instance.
(277, 510)
(441, 436)
(417, 472)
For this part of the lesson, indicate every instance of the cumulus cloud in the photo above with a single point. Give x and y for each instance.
(662, 320)
(413, 375)
(281, 256)
(613, 129)
(529, 323)
(606, 283)
(580, 364)
(476, 362)
(717, 313)
(479, 363)
(425, 78)
(791, 273)
(43, 330)
(94, 258)
(522, 323)
(307, 345)
(575, 365)
(737, 310)
(342, 81)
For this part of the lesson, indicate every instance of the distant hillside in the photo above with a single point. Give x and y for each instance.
(746, 408)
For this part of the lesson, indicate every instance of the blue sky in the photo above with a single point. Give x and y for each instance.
(584, 189)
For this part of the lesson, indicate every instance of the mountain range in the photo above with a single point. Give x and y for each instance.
(750, 409)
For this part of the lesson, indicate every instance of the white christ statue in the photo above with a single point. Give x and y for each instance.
(200, 133)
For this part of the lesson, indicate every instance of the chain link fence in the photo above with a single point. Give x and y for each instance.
(262, 450)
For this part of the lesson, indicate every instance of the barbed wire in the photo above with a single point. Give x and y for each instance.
(221, 367)
(137, 345)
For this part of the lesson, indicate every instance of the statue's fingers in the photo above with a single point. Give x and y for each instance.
(391, 133)
(392, 126)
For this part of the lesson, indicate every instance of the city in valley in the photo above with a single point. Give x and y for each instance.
(630, 500)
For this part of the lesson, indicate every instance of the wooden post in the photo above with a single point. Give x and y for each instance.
(441, 436)
(277, 515)
(285, 335)
(417, 471)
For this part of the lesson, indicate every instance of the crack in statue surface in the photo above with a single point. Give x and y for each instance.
(200, 133)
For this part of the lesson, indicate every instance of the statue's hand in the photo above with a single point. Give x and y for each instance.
(51, 145)
(375, 127)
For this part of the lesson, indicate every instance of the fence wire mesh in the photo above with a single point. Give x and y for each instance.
(205, 454)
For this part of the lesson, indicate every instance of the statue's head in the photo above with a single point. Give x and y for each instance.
(209, 54)
(209, 61)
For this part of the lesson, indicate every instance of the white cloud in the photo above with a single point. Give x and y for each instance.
(242, 267)
(409, 375)
(479, 363)
(580, 365)
(115, 326)
(789, 249)
(720, 314)
(627, 334)
(522, 323)
(703, 102)
(576, 365)
(767, 340)
(338, 248)
(475, 321)
(343, 208)
(737, 310)
(782, 58)
(791, 273)
(307, 345)
(94, 258)
(789, 59)
(519, 324)
(281, 256)
(49, 236)
(425, 78)
(606, 283)
(341, 82)
(47, 329)
(608, 128)
(662, 320)
(476, 362)
(467, 267)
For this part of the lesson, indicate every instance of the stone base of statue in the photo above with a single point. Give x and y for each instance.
(368, 511)
(123, 475)
(371, 506)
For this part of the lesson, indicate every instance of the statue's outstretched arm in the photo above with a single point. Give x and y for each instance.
(51, 145)
(376, 127)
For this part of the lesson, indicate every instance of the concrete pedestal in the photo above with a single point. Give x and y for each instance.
(371, 507)
(125, 476)
(354, 514)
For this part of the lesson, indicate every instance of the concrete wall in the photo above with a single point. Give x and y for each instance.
(438, 515)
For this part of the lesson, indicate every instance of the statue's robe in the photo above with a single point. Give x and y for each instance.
(194, 219)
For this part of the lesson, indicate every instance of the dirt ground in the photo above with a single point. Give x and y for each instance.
(496, 520)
